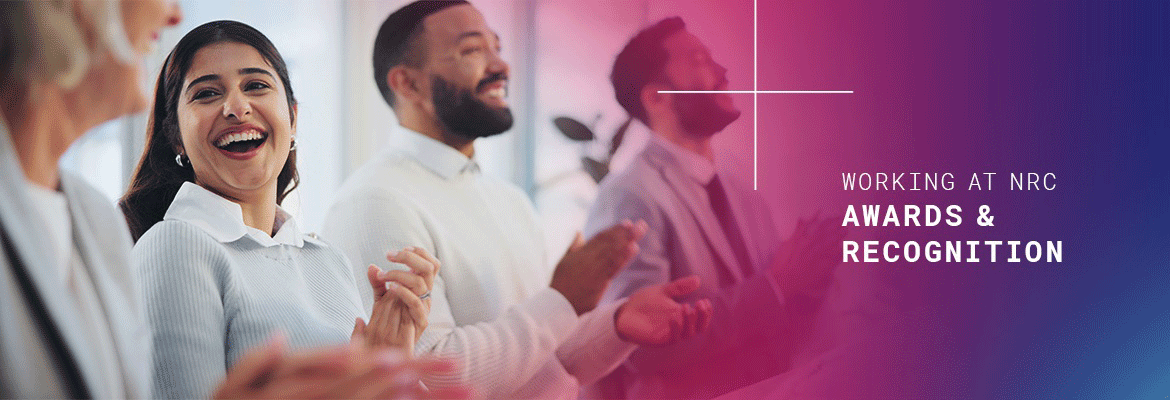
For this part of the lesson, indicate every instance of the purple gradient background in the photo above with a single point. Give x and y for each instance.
(1079, 89)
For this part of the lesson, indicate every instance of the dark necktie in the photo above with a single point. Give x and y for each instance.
(722, 207)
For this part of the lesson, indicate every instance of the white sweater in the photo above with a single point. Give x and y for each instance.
(492, 311)
(215, 288)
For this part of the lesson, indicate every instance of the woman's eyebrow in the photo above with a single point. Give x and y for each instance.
(204, 78)
(241, 71)
(254, 70)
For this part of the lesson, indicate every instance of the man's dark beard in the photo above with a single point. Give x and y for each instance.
(463, 114)
(700, 114)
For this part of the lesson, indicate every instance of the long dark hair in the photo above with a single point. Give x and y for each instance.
(158, 177)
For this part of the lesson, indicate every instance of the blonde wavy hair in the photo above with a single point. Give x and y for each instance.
(54, 41)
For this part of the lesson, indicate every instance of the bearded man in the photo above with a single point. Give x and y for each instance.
(515, 328)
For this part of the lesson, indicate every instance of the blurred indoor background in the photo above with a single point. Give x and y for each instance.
(560, 51)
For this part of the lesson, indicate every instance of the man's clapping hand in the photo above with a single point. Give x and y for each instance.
(804, 264)
(652, 316)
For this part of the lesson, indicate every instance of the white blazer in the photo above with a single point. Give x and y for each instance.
(665, 187)
(26, 366)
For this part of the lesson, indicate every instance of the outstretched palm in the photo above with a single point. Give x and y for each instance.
(652, 316)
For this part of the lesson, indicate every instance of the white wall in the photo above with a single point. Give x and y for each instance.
(328, 46)
(561, 53)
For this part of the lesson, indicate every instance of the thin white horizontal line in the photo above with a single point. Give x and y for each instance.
(761, 91)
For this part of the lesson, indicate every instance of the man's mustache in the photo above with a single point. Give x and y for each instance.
(499, 76)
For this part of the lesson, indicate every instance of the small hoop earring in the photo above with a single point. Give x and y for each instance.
(179, 160)
(293, 147)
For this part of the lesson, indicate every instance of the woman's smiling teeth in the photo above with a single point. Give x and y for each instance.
(243, 141)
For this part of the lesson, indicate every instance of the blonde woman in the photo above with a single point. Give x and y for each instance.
(73, 324)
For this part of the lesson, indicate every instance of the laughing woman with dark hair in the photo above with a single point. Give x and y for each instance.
(223, 266)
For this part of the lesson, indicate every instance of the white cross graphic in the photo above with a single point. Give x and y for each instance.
(756, 93)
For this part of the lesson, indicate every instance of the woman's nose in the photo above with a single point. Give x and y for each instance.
(236, 106)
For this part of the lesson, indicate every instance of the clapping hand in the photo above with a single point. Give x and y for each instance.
(653, 317)
(352, 371)
(401, 300)
(804, 264)
(584, 272)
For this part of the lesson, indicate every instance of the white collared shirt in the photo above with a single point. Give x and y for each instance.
(224, 220)
(493, 311)
(701, 169)
(215, 288)
(441, 159)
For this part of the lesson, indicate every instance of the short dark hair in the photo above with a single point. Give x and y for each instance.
(397, 39)
(642, 61)
(158, 178)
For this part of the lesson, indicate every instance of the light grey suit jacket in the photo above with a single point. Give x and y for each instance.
(741, 346)
(27, 369)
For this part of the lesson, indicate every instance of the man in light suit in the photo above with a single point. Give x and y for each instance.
(702, 224)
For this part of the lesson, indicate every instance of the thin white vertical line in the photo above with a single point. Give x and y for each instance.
(755, 94)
